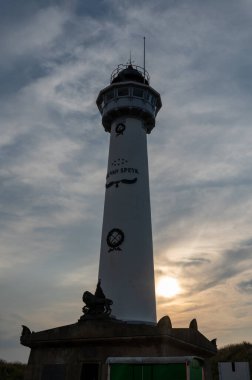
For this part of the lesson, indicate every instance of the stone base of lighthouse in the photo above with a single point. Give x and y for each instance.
(81, 351)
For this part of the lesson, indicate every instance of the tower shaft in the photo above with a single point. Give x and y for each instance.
(126, 270)
(128, 107)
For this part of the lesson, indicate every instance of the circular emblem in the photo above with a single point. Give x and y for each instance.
(115, 238)
(120, 128)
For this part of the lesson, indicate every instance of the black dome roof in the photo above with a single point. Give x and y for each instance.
(129, 74)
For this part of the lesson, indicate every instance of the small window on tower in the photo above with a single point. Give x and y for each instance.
(110, 95)
(146, 95)
(123, 91)
(138, 92)
(153, 100)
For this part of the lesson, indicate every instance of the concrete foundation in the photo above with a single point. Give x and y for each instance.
(60, 353)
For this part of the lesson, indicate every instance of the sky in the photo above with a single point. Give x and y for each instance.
(55, 58)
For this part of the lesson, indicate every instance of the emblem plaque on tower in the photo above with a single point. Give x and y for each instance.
(120, 128)
(120, 170)
(115, 238)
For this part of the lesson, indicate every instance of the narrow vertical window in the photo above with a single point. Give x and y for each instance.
(138, 92)
(110, 95)
(123, 91)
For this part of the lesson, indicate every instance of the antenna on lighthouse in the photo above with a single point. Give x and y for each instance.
(130, 61)
(144, 57)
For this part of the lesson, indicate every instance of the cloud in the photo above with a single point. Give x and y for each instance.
(30, 36)
(55, 58)
(227, 265)
(198, 261)
(245, 286)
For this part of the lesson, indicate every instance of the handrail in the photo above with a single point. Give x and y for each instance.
(121, 67)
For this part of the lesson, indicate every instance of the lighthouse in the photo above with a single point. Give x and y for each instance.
(128, 107)
(129, 343)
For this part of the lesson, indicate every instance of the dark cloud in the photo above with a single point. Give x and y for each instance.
(14, 78)
(186, 262)
(245, 286)
(230, 263)
(19, 148)
(198, 261)
(220, 183)
(13, 11)
(15, 197)
(100, 9)
(207, 273)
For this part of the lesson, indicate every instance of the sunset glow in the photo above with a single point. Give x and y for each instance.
(167, 287)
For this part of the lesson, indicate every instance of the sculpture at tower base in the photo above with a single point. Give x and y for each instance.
(97, 305)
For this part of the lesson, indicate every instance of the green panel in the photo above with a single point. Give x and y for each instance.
(195, 370)
(169, 371)
(137, 372)
(121, 372)
(129, 372)
(148, 371)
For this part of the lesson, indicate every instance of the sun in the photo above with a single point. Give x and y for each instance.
(167, 287)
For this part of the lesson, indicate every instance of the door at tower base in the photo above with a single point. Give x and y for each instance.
(172, 368)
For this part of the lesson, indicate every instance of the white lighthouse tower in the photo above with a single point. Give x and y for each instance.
(128, 107)
(132, 345)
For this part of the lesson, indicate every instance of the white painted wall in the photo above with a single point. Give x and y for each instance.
(127, 275)
(239, 371)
